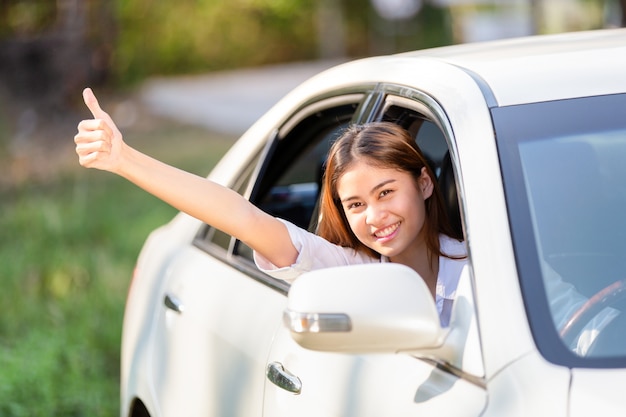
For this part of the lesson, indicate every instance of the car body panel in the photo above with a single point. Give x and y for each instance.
(146, 292)
(530, 386)
(212, 357)
(403, 383)
(231, 338)
(398, 384)
(536, 64)
(595, 392)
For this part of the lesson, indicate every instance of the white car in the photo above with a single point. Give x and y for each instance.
(528, 137)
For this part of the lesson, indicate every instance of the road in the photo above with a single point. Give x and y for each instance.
(228, 101)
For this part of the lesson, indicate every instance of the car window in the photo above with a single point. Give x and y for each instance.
(219, 240)
(285, 178)
(289, 181)
(564, 171)
(432, 142)
(285, 182)
(427, 134)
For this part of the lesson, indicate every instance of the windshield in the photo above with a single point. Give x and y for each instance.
(564, 167)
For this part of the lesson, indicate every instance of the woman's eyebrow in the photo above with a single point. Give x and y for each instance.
(381, 185)
(372, 191)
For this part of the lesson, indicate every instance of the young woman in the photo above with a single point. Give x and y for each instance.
(379, 203)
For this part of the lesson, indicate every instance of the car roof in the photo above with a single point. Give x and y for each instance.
(540, 68)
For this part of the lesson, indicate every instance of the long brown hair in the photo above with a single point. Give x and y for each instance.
(384, 145)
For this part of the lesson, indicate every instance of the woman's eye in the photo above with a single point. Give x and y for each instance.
(385, 192)
(354, 206)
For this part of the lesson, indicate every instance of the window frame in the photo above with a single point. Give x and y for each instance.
(247, 181)
(371, 101)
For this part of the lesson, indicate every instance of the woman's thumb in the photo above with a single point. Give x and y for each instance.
(92, 104)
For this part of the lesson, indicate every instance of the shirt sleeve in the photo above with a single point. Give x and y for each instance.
(314, 252)
(448, 278)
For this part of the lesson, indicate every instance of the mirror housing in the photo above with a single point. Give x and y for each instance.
(366, 308)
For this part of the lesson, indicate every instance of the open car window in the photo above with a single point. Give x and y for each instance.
(289, 181)
(285, 178)
(431, 140)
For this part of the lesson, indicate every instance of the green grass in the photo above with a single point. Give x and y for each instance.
(67, 251)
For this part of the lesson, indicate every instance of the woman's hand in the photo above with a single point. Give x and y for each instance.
(99, 143)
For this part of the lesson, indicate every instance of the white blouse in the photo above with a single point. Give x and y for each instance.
(315, 252)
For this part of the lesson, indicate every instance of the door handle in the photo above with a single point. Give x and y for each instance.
(173, 303)
(283, 378)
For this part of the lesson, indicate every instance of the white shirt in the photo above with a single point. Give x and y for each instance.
(315, 252)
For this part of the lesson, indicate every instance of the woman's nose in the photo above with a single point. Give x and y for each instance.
(375, 214)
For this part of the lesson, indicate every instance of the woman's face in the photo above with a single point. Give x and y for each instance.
(385, 208)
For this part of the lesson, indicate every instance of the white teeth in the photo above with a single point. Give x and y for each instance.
(386, 231)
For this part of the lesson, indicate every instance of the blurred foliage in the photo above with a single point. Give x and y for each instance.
(202, 35)
(122, 42)
(26, 17)
(67, 251)
(64, 263)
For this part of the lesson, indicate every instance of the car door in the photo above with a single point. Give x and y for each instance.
(214, 329)
(304, 382)
(220, 313)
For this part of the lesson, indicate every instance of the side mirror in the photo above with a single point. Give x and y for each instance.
(366, 308)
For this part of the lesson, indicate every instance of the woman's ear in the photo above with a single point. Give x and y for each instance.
(425, 183)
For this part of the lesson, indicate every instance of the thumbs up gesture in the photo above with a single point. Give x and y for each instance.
(99, 143)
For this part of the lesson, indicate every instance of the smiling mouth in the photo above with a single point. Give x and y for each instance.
(387, 231)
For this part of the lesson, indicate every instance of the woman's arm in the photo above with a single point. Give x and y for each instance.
(99, 144)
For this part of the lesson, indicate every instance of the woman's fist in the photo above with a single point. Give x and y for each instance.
(98, 142)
